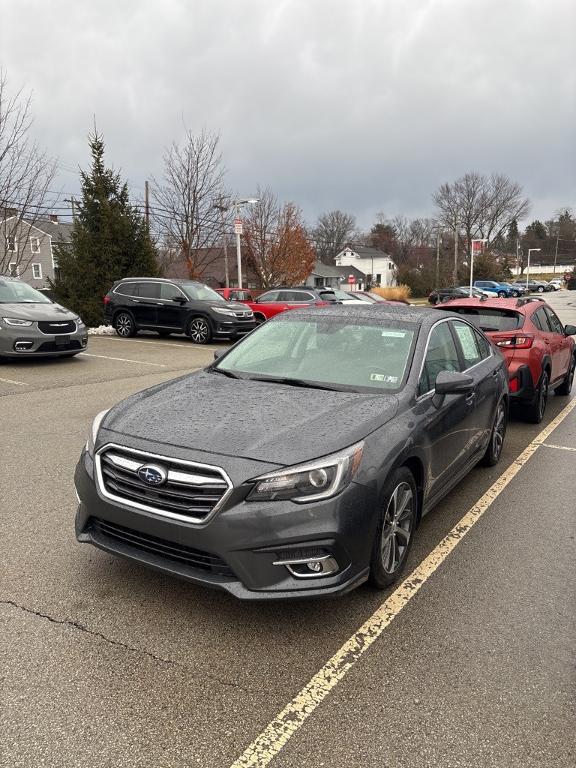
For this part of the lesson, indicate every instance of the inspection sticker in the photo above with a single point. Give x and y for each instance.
(382, 377)
(394, 334)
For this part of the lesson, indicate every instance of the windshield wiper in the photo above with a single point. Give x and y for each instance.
(297, 383)
(230, 374)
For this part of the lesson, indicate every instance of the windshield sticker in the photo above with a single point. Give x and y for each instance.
(383, 378)
(394, 334)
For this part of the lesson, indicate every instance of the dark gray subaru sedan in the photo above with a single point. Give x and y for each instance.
(302, 460)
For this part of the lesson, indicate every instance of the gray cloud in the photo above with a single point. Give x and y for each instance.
(365, 105)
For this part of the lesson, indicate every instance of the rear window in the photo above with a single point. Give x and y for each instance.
(489, 319)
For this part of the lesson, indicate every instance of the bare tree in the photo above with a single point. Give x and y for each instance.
(277, 246)
(480, 206)
(26, 173)
(188, 225)
(331, 233)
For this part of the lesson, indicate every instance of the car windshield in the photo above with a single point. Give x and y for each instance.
(12, 292)
(199, 292)
(490, 319)
(327, 352)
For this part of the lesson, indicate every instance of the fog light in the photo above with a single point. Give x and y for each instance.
(315, 566)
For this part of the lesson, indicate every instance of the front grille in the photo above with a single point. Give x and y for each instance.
(244, 315)
(120, 538)
(51, 346)
(191, 491)
(56, 328)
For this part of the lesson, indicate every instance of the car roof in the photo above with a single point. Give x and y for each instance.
(175, 280)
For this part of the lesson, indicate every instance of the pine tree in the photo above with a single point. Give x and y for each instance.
(110, 240)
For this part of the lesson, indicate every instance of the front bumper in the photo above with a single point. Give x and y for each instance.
(237, 549)
(233, 328)
(22, 341)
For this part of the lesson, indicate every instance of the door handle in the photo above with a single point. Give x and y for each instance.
(470, 399)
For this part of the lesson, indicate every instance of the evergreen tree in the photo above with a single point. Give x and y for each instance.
(110, 240)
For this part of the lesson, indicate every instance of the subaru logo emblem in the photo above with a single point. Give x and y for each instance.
(151, 474)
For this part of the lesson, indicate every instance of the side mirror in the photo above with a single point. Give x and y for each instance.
(570, 330)
(179, 299)
(218, 353)
(453, 383)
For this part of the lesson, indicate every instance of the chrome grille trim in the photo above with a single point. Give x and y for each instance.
(107, 461)
(70, 324)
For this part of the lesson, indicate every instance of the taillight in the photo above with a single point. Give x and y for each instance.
(106, 299)
(321, 303)
(517, 341)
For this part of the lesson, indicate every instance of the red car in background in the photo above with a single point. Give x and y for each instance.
(281, 299)
(235, 294)
(539, 350)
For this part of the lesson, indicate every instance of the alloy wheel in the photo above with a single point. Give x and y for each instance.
(498, 432)
(124, 325)
(199, 331)
(397, 527)
(543, 395)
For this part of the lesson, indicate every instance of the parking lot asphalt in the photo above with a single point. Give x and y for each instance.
(105, 663)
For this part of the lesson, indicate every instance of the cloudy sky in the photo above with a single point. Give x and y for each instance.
(362, 105)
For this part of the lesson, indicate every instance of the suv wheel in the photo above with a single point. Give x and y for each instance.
(536, 409)
(124, 325)
(515, 294)
(540, 289)
(395, 530)
(199, 330)
(566, 387)
(501, 294)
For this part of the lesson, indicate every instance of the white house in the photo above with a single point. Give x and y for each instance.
(27, 250)
(377, 266)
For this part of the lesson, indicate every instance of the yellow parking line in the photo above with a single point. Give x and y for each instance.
(275, 736)
(122, 359)
(18, 383)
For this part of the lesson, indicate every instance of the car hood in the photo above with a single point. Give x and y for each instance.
(249, 419)
(36, 312)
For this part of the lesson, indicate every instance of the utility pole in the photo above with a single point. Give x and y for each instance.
(556, 251)
(437, 281)
(147, 205)
(73, 201)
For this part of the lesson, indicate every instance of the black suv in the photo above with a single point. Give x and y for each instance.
(174, 306)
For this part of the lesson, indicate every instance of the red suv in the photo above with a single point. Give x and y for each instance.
(538, 349)
(235, 294)
(280, 299)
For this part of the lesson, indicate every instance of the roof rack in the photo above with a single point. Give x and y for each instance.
(527, 299)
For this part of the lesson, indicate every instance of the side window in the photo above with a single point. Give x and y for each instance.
(127, 289)
(554, 320)
(483, 345)
(168, 291)
(468, 343)
(270, 296)
(149, 290)
(441, 355)
(543, 322)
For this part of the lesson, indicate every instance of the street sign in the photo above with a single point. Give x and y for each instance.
(351, 279)
(238, 226)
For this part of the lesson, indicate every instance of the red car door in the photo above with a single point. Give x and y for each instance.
(560, 342)
(552, 341)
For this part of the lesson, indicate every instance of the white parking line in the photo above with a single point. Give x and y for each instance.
(559, 447)
(160, 343)
(276, 735)
(122, 359)
(18, 383)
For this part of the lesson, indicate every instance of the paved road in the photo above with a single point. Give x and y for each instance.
(107, 664)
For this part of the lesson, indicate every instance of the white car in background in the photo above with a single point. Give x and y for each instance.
(557, 282)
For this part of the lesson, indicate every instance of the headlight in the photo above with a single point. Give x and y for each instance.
(224, 311)
(94, 432)
(309, 482)
(17, 321)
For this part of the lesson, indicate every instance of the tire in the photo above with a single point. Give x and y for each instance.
(124, 325)
(494, 450)
(393, 540)
(515, 294)
(540, 289)
(566, 387)
(501, 294)
(199, 330)
(259, 318)
(535, 411)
